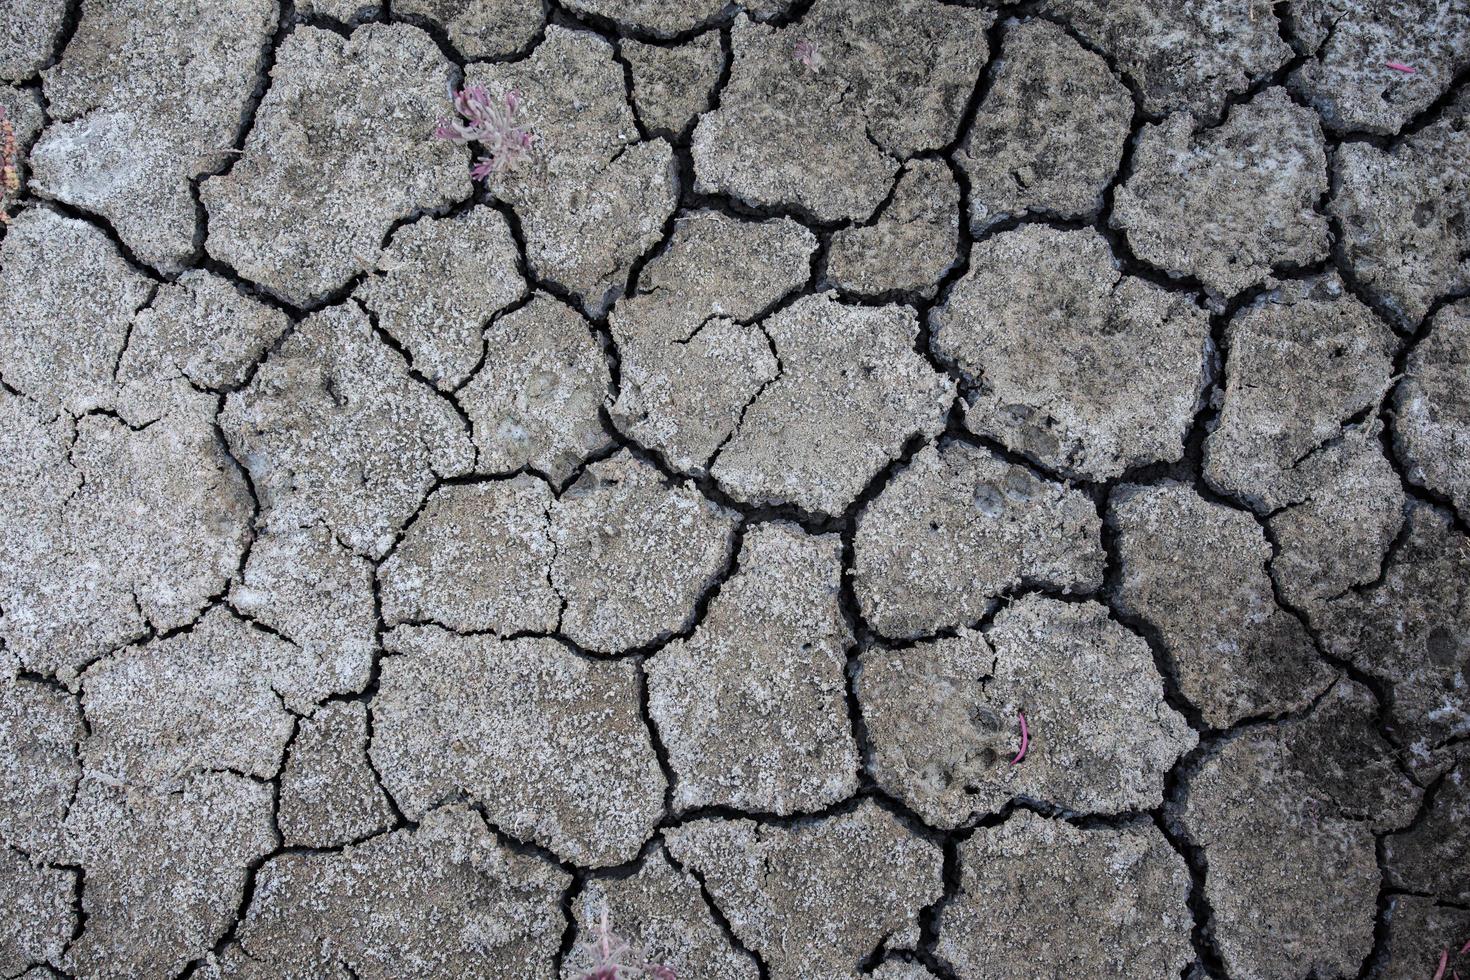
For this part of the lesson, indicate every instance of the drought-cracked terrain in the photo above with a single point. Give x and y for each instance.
(911, 489)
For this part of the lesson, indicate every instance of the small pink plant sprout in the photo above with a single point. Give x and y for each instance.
(9, 164)
(806, 52)
(1025, 738)
(491, 123)
(614, 959)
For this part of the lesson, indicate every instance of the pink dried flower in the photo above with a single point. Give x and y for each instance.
(1025, 738)
(614, 959)
(1400, 66)
(806, 52)
(491, 123)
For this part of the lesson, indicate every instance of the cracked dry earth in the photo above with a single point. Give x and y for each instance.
(396, 571)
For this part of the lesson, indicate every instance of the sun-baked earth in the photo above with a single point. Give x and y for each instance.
(908, 489)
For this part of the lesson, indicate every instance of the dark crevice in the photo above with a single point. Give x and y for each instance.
(1275, 79)
(1432, 113)
(252, 871)
(515, 306)
(569, 934)
(1176, 791)
(1386, 309)
(717, 914)
(613, 31)
(264, 66)
(1394, 447)
(102, 224)
(655, 738)
(70, 21)
(644, 134)
(449, 398)
(932, 916)
(1377, 960)
(440, 37)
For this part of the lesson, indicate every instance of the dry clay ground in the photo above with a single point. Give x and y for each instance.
(395, 571)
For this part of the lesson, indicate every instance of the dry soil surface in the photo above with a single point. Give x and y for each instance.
(911, 489)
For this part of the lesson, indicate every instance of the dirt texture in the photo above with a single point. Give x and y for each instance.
(893, 489)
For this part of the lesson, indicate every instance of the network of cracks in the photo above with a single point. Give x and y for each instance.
(911, 490)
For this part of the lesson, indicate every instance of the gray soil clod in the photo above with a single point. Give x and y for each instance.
(548, 742)
(308, 588)
(594, 196)
(146, 525)
(479, 28)
(343, 11)
(1298, 865)
(319, 428)
(943, 718)
(39, 731)
(849, 392)
(817, 898)
(164, 871)
(672, 87)
(633, 554)
(64, 357)
(36, 904)
(196, 336)
(1421, 932)
(438, 281)
(1302, 361)
(825, 141)
(1019, 879)
(1189, 55)
(1410, 629)
(1404, 232)
(1049, 135)
(902, 970)
(958, 528)
(476, 560)
(692, 358)
(28, 36)
(1230, 204)
(1343, 510)
(131, 131)
(306, 207)
(769, 654)
(535, 401)
(154, 713)
(1086, 370)
(912, 241)
(1348, 77)
(1432, 408)
(380, 907)
(657, 18)
(1236, 653)
(663, 905)
(329, 795)
(1429, 858)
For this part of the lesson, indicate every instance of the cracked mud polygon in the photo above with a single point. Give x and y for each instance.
(922, 490)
